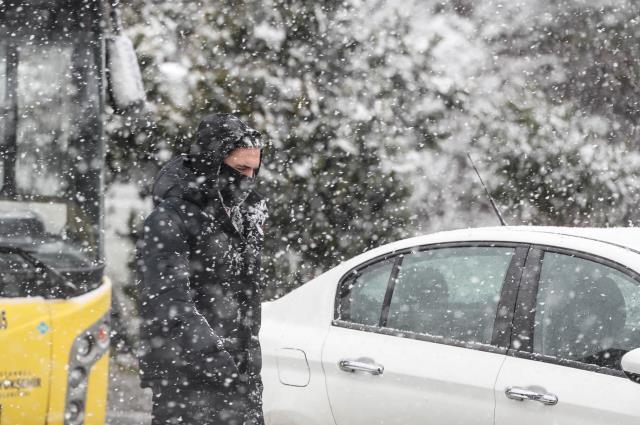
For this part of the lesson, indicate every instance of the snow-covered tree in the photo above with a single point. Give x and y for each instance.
(560, 140)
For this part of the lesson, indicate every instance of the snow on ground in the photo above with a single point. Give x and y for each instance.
(128, 404)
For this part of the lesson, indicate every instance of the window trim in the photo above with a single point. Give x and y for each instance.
(502, 327)
(391, 286)
(522, 328)
(567, 363)
(527, 301)
(419, 336)
(503, 324)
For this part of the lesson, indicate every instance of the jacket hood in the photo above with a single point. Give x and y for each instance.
(217, 135)
(192, 176)
(177, 179)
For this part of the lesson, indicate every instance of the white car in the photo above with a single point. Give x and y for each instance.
(479, 326)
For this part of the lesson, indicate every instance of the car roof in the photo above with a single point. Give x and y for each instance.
(627, 238)
(585, 239)
(623, 237)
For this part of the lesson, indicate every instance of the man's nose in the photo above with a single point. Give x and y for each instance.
(248, 172)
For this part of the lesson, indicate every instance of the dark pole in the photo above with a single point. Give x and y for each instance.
(9, 144)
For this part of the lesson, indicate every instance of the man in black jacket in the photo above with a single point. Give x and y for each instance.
(199, 281)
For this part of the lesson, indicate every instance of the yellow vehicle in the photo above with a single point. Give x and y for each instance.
(54, 297)
(53, 360)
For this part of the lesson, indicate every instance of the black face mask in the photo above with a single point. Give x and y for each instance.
(234, 186)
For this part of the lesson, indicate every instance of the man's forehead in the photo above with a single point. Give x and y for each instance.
(244, 154)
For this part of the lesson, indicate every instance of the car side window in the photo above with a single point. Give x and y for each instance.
(450, 292)
(585, 311)
(363, 294)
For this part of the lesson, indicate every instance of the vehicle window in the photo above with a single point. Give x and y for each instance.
(45, 96)
(363, 294)
(586, 311)
(18, 278)
(450, 292)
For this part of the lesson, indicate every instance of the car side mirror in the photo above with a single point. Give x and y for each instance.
(125, 79)
(631, 365)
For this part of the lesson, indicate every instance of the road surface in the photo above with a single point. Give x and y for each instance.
(128, 404)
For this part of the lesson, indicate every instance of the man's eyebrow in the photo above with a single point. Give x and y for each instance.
(247, 166)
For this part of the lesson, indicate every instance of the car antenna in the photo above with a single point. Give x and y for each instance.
(493, 204)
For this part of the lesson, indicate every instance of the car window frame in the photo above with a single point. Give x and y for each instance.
(503, 323)
(354, 274)
(521, 345)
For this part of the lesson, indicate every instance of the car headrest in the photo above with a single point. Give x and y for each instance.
(425, 285)
(602, 299)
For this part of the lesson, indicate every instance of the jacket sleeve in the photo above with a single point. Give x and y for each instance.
(165, 298)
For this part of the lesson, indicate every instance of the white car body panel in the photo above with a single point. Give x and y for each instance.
(584, 398)
(421, 380)
(296, 322)
(302, 320)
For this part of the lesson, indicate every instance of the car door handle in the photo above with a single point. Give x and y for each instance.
(522, 394)
(360, 366)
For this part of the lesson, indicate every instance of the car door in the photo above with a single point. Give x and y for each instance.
(419, 335)
(576, 316)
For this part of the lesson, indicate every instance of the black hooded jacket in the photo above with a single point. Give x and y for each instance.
(199, 283)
